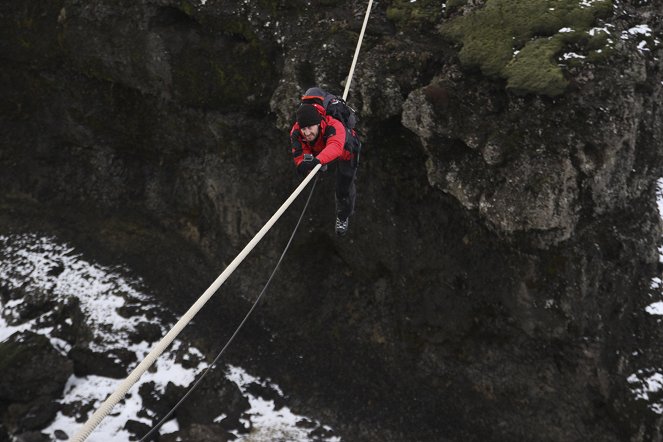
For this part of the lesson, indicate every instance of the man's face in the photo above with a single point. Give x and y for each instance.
(310, 132)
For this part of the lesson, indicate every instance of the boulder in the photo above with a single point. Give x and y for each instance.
(215, 396)
(31, 368)
(32, 415)
(160, 403)
(112, 363)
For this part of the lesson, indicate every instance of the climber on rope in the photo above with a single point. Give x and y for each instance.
(324, 133)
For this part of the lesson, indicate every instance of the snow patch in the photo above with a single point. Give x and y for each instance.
(570, 55)
(655, 308)
(643, 385)
(270, 423)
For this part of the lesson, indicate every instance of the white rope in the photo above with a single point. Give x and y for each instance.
(356, 56)
(133, 377)
(137, 372)
(239, 327)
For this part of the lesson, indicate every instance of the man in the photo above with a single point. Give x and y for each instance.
(318, 138)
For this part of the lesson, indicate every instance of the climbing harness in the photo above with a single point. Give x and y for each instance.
(255, 303)
(152, 356)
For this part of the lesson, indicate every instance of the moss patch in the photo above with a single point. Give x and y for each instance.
(492, 35)
(186, 7)
(405, 13)
(534, 68)
(454, 4)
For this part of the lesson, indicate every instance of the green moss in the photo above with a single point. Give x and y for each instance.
(454, 4)
(396, 14)
(186, 7)
(422, 13)
(534, 68)
(491, 35)
(598, 41)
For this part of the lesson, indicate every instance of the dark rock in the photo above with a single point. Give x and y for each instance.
(267, 393)
(306, 423)
(60, 435)
(124, 356)
(214, 396)
(34, 304)
(137, 428)
(8, 293)
(321, 433)
(112, 363)
(33, 415)
(160, 403)
(148, 332)
(32, 436)
(188, 357)
(56, 270)
(68, 322)
(31, 368)
(78, 410)
(129, 311)
(199, 433)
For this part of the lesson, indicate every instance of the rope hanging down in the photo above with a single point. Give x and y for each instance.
(158, 349)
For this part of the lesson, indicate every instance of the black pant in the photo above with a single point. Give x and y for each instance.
(346, 191)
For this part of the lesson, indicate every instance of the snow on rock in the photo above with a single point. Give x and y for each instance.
(33, 265)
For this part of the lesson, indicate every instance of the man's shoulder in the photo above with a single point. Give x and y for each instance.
(333, 128)
(331, 121)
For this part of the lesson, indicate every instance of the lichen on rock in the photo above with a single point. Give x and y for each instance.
(518, 41)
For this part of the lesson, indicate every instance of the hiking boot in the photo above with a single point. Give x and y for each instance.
(342, 226)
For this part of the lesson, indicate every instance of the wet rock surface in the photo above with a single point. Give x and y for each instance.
(494, 282)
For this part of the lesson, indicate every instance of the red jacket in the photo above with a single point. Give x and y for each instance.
(327, 147)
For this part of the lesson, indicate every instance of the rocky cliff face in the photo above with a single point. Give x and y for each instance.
(494, 282)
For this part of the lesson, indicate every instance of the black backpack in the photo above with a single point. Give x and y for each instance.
(338, 109)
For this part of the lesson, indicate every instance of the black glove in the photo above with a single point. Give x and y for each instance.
(306, 166)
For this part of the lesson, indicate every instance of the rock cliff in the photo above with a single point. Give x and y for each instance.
(494, 283)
